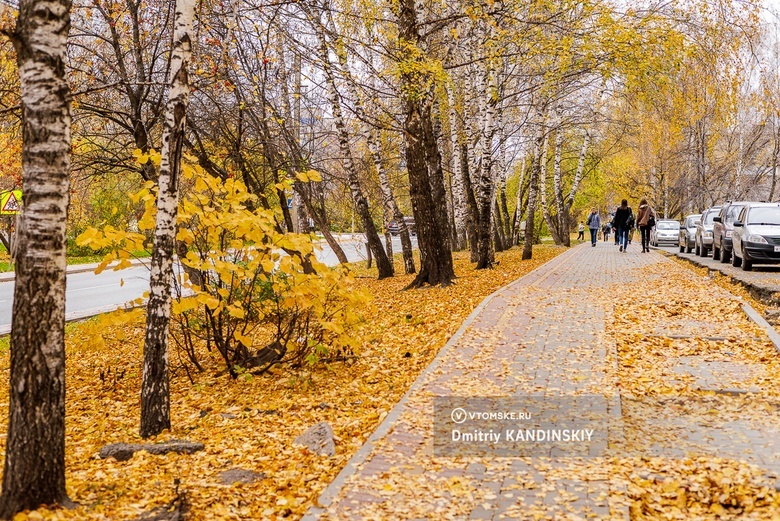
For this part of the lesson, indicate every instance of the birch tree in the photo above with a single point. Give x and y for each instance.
(361, 204)
(155, 394)
(34, 471)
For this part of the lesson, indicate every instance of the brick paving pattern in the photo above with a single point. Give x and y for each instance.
(544, 335)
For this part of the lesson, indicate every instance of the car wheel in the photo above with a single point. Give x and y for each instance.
(704, 251)
(682, 249)
(697, 250)
(735, 261)
(725, 256)
(688, 250)
(716, 254)
(747, 265)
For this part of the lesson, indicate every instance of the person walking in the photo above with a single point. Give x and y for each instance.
(646, 220)
(606, 230)
(581, 232)
(623, 221)
(594, 223)
(614, 226)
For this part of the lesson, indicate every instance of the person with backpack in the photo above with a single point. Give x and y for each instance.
(646, 220)
(594, 223)
(623, 221)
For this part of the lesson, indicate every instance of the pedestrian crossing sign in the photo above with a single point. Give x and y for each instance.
(10, 202)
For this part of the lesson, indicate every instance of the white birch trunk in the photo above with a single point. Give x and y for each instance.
(458, 190)
(519, 203)
(361, 204)
(34, 472)
(542, 162)
(485, 187)
(575, 185)
(557, 175)
(155, 394)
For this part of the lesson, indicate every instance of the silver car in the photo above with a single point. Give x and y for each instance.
(665, 231)
(704, 231)
(687, 236)
(756, 238)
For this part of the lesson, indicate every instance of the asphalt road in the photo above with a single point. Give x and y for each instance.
(88, 294)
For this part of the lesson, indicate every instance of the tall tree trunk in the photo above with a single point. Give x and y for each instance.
(541, 163)
(486, 187)
(502, 177)
(34, 471)
(155, 394)
(532, 193)
(499, 241)
(436, 176)
(458, 194)
(472, 208)
(575, 185)
(361, 204)
(436, 265)
(561, 217)
(518, 204)
(391, 207)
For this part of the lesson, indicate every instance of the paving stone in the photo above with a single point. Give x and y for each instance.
(544, 334)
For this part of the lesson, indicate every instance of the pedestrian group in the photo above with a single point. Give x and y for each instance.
(622, 223)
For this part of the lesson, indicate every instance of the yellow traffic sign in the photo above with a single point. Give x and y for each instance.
(10, 202)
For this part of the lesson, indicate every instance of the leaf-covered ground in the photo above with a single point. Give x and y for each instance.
(697, 437)
(697, 377)
(250, 423)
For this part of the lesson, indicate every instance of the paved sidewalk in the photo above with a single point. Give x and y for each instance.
(763, 282)
(548, 335)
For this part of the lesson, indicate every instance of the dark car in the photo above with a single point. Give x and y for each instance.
(704, 231)
(687, 237)
(723, 228)
(394, 229)
(756, 237)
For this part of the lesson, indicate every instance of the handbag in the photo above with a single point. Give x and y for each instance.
(651, 221)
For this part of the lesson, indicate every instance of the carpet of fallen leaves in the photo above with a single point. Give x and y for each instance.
(690, 361)
(250, 423)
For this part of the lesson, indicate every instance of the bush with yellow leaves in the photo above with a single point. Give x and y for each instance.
(252, 292)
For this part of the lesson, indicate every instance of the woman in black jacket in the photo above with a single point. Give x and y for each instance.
(624, 220)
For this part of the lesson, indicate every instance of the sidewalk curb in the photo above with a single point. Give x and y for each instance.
(78, 268)
(758, 319)
(331, 491)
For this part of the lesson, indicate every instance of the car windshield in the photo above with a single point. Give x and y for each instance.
(692, 221)
(668, 225)
(768, 215)
(733, 212)
(710, 217)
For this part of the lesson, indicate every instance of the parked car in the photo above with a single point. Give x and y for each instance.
(665, 231)
(687, 236)
(723, 228)
(756, 237)
(704, 231)
(394, 229)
